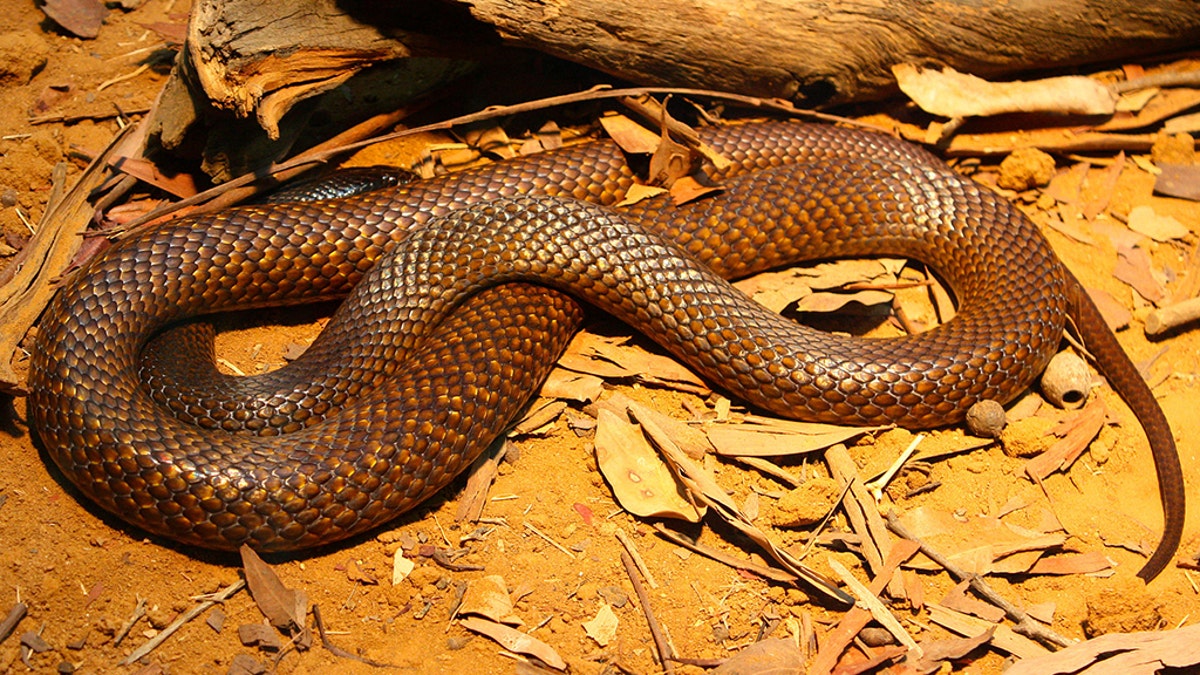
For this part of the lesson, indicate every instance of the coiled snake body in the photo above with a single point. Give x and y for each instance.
(451, 323)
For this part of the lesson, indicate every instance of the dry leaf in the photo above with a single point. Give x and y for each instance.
(637, 192)
(691, 440)
(603, 627)
(977, 544)
(1179, 181)
(1144, 220)
(1003, 637)
(952, 94)
(401, 567)
(515, 640)
(747, 440)
(1073, 563)
(616, 358)
(1120, 654)
(1134, 268)
(1084, 427)
(775, 655)
(958, 600)
(572, 386)
(642, 484)
(940, 652)
(285, 608)
(181, 184)
(488, 597)
(82, 18)
(630, 136)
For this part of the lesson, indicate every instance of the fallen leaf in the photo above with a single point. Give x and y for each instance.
(1072, 563)
(746, 440)
(401, 566)
(1003, 637)
(1178, 181)
(952, 94)
(832, 302)
(259, 635)
(1119, 654)
(1085, 425)
(617, 358)
(514, 640)
(630, 136)
(82, 18)
(488, 597)
(1144, 220)
(939, 652)
(603, 627)
(958, 600)
(637, 192)
(774, 655)
(563, 383)
(181, 184)
(1115, 314)
(642, 484)
(285, 608)
(1134, 268)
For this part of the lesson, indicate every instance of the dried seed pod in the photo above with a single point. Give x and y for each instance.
(986, 419)
(1066, 380)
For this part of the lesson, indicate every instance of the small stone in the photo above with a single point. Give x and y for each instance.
(806, 504)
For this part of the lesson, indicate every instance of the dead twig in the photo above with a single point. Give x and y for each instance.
(338, 651)
(14, 616)
(211, 600)
(665, 653)
(1025, 624)
(139, 611)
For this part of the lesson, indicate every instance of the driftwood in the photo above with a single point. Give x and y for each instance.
(261, 58)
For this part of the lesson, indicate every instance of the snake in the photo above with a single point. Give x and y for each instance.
(459, 293)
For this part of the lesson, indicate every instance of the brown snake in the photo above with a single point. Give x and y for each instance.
(441, 344)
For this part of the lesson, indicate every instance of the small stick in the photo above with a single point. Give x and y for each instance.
(338, 651)
(726, 559)
(665, 656)
(637, 557)
(218, 597)
(138, 612)
(1172, 316)
(9, 624)
(532, 528)
(1025, 624)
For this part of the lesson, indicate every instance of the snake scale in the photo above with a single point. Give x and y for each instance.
(460, 294)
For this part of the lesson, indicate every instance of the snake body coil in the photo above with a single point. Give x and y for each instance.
(450, 325)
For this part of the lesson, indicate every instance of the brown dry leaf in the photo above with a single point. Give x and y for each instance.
(1003, 637)
(1180, 181)
(488, 597)
(1168, 103)
(1144, 220)
(1115, 314)
(630, 136)
(572, 386)
(832, 302)
(491, 140)
(1072, 563)
(980, 544)
(642, 484)
(1134, 268)
(637, 192)
(181, 184)
(751, 440)
(952, 94)
(603, 627)
(515, 640)
(81, 18)
(1184, 124)
(771, 656)
(686, 188)
(1083, 428)
(671, 161)
(1120, 654)
(703, 486)
(616, 358)
(1108, 185)
(539, 420)
(285, 608)
(958, 600)
(940, 652)
(691, 440)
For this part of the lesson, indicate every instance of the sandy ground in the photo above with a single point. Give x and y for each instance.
(82, 573)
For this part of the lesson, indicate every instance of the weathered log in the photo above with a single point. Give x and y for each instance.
(261, 58)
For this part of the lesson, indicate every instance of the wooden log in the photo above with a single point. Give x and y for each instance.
(261, 58)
